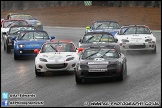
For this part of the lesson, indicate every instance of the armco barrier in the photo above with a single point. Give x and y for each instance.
(87, 3)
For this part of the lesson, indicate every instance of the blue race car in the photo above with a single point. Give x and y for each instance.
(29, 18)
(104, 26)
(25, 43)
(14, 31)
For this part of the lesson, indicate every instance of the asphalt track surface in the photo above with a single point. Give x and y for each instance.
(143, 83)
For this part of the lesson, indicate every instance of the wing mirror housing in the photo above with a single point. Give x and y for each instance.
(116, 40)
(88, 27)
(35, 18)
(52, 37)
(80, 40)
(13, 38)
(80, 50)
(36, 51)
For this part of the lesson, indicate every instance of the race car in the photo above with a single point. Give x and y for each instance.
(29, 40)
(99, 38)
(29, 18)
(136, 37)
(14, 31)
(6, 24)
(104, 26)
(56, 56)
(100, 62)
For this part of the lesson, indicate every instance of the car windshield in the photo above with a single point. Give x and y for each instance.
(105, 25)
(8, 24)
(58, 47)
(24, 17)
(34, 35)
(15, 30)
(100, 53)
(98, 38)
(135, 30)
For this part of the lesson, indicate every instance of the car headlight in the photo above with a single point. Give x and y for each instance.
(148, 40)
(125, 40)
(71, 58)
(42, 59)
(38, 23)
(21, 46)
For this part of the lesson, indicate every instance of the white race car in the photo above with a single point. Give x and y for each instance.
(136, 37)
(6, 24)
(56, 56)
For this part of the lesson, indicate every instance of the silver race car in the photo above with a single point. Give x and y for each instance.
(100, 62)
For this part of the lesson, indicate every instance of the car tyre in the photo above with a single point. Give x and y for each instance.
(4, 47)
(15, 57)
(77, 79)
(37, 73)
(123, 74)
(154, 51)
(8, 50)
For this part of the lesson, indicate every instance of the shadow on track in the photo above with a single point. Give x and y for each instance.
(138, 52)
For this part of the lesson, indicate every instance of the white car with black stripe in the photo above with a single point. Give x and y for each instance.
(136, 37)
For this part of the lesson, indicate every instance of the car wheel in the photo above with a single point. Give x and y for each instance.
(37, 73)
(4, 47)
(122, 75)
(8, 50)
(77, 79)
(15, 57)
(154, 51)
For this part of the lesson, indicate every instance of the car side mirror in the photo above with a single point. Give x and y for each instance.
(7, 33)
(116, 40)
(119, 54)
(80, 40)
(52, 37)
(36, 51)
(80, 50)
(88, 27)
(13, 38)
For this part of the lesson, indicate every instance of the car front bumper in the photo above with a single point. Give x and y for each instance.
(50, 67)
(85, 74)
(137, 46)
(24, 52)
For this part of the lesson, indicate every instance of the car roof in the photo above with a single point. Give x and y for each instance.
(56, 41)
(34, 30)
(110, 46)
(134, 26)
(106, 21)
(22, 26)
(19, 14)
(98, 32)
(14, 20)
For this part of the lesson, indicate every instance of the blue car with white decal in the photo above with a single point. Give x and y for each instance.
(104, 26)
(25, 43)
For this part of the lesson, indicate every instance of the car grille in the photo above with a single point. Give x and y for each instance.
(108, 73)
(137, 46)
(56, 66)
(27, 52)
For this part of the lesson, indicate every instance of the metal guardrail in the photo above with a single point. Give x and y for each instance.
(87, 3)
(83, 28)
